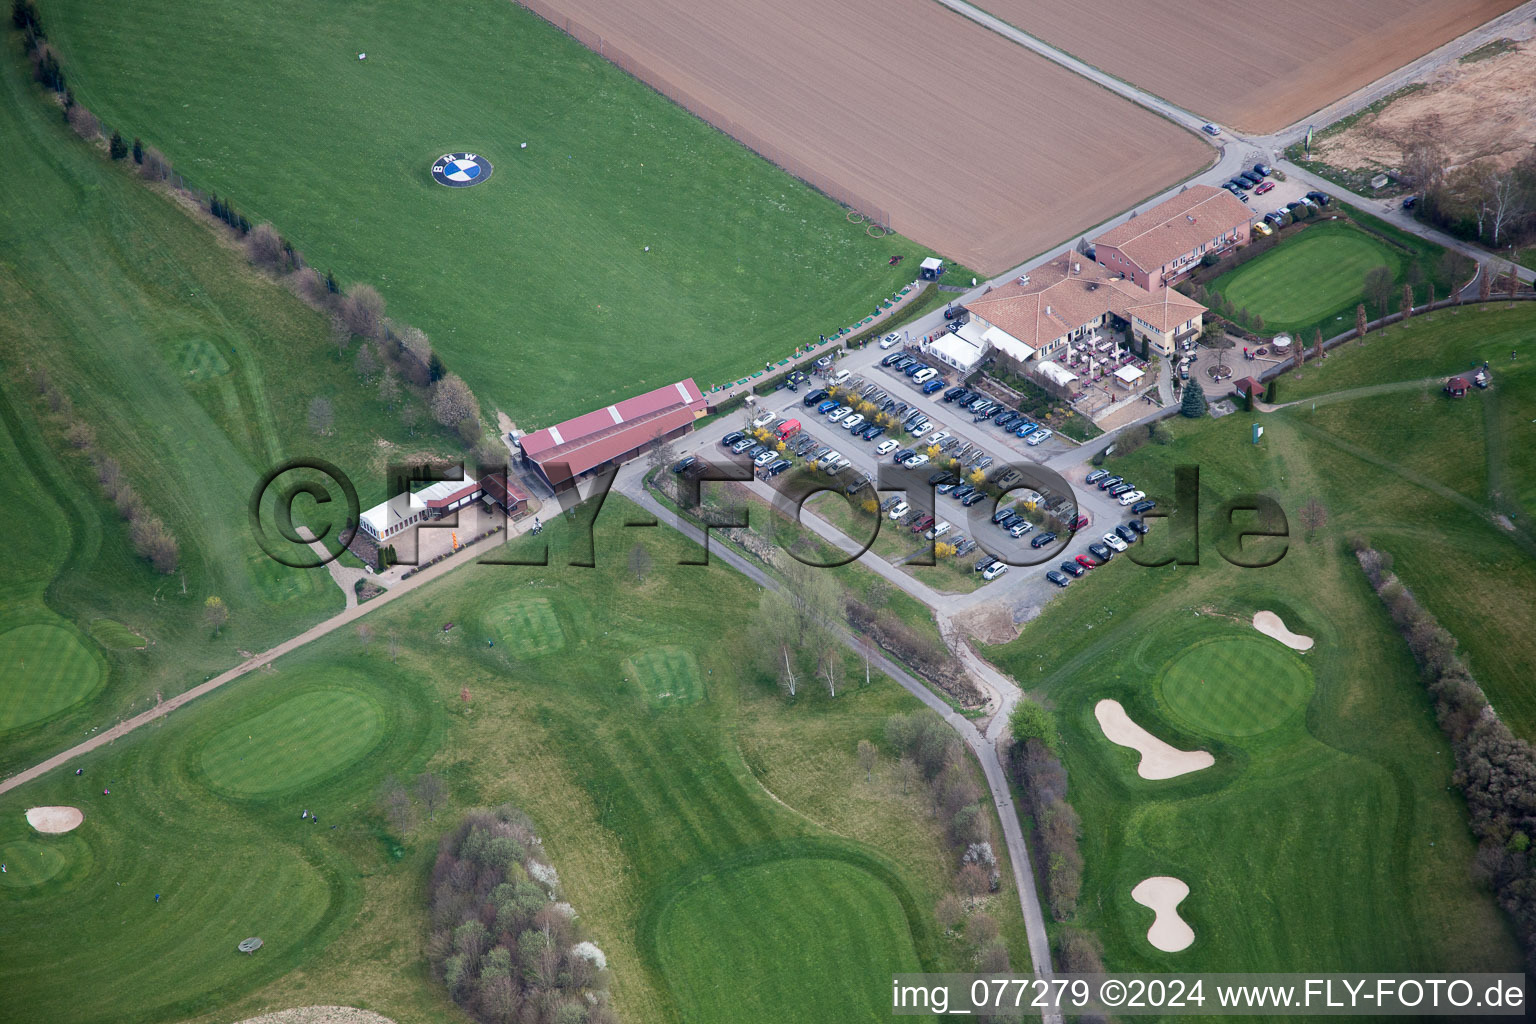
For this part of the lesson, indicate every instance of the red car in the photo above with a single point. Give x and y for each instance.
(1263, 187)
(1086, 562)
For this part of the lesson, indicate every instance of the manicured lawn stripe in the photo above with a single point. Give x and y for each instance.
(43, 670)
(1235, 685)
(297, 743)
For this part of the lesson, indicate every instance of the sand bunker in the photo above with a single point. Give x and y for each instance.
(1158, 759)
(320, 1015)
(1163, 894)
(54, 820)
(1271, 626)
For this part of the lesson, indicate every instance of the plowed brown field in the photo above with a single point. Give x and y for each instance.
(969, 143)
(1257, 65)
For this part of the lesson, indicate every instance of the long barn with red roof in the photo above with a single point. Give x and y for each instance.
(569, 452)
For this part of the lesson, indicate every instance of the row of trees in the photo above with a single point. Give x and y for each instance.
(501, 941)
(1481, 200)
(403, 353)
(929, 751)
(152, 540)
(1035, 764)
(1495, 770)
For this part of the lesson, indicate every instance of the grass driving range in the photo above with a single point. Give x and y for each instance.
(1234, 686)
(528, 283)
(737, 815)
(1314, 278)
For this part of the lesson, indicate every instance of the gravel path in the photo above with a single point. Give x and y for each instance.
(320, 1015)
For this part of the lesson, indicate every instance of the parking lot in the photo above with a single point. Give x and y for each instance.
(971, 527)
(1277, 197)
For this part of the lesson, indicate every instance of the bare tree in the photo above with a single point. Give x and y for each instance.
(639, 562)
(155, 166)
(366, 364)
(431, 791)
(321, 415)
(364, 633)
(389, 387)
(1485, 282)
(868, 756)
(1378, 288)
(410, 416)
(362, 311)
(1424, 160)
(906, 773)
(1361, 323)
(949, 912)
(84, 123)
(265, 248)
(1504, 200)
(396, 803)
(829, 668)
(1407, 300)
(1313, 516)
(79, 434)
(215, 613)
(981, 929)
(1317, 344)
(453, 402)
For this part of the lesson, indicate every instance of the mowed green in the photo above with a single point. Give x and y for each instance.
(298, 743)
(1235, 685)
(30, 862)
(535, 285)
(669, 675)
(774, 970)
(44, 668)
(1314, 274)
(527, 625)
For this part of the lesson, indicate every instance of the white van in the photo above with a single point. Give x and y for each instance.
(839, 377)
(924, 376)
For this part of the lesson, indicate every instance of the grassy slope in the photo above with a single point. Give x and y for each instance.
(109, 288)
(639, 804)
(1315, 278)
(530, 283)
(1340, 812)
(1422, 475)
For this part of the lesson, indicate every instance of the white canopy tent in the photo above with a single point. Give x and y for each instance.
(1128, 374)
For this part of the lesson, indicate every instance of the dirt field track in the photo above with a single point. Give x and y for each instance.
(972, 145)
(1256, 66)
(1482, 110)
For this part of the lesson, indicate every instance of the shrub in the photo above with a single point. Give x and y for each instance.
(155, 167)
(83, 122)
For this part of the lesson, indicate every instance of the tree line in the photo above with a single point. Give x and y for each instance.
(1480, 201)
(151, 539)
(508, 950)
(1495, 770)
(931, 753)
(397, 359)
(1034, 761)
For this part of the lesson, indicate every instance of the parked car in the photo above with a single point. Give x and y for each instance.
(1100, 552)
(1114, 542)
(917, 460)
(1040, 436)
(827, 406)
(743, 445)
(1072, 568)
(914, 368)
(994, 570)
(1139, 526)
(890, 503)
(938, 529)
(1262, 228)
(840, 377)
(1121, 488)
(1057, 578)
(1025, 429)
(898, 510)
(921, 523)
(1211, 129)
(1232, 188)
(1096, 476)
(836, 414)
(1005, 419)
(1020, 528)
(1263, 187)
(778, 467)
(933, 385)
(973, 498)
(902, 361)
(1105, 483)
(871, 431)
(1079, 523)
(683, 464)
(891, 340)
(1241, 183)
(853, 423)
(1042, 539)
(731, 438)
(1131, 497)
(963, 545)
(1142, 507)
(886, 447)
(1251, 178)
(924, 375)
(1272, 219)
(948, 484)
(1126, 534)
(1263, 170)
(1086, 563)
(1321, 198)
(984, 562)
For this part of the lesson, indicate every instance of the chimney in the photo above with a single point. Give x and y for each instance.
(1077, 268)
(1047, 310)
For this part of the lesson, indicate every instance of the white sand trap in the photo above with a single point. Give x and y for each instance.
(1163, 894)
(320, 1015)
(1273, 627)
(1159, 760)
(54, 820)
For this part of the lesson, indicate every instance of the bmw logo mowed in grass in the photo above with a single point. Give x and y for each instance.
(461, 170)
